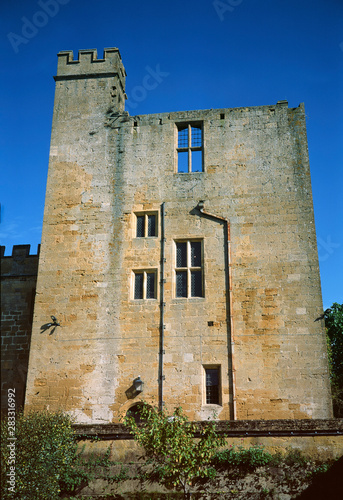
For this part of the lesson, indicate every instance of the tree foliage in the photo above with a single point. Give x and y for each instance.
(38, 453)
(334, 329)
(170, 446)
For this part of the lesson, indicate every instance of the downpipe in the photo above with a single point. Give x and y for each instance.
(162, 308)
(227, 256)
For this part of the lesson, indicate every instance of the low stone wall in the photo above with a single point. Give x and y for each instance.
(285, 482)
(316, 439)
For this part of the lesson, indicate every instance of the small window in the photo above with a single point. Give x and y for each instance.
(136, 412)
(212, 383)
(188, 269)
(145, 286)
(189, 148)
(146, 225)
(151, 225)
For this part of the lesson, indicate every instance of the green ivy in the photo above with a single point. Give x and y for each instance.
(252, 457)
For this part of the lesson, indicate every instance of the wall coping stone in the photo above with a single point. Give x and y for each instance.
(232, 428)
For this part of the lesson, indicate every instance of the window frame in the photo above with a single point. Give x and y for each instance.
(219, 374)
(189, 148)
(146, 215)
(145, 272)
(189, 269)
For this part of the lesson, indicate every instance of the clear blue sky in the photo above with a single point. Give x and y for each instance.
(213, 54)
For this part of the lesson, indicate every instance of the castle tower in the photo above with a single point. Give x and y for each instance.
(178, 249)
(67, 362)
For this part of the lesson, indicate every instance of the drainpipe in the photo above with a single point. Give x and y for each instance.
(227, 256)
(162, 307)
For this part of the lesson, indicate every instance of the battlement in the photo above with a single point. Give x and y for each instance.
(18, 252)
(20, 263)
(88, 65)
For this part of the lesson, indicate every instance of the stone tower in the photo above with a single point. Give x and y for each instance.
(178, 249)
(79, 223)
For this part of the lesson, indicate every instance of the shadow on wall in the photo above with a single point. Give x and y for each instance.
(328, 486)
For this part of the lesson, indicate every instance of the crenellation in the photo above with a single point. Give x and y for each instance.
(89, 56)
(88, 66)
(19, 251)
(20, 264)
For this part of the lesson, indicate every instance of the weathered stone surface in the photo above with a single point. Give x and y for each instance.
(285, 482)
(105, 167)
(232, 428)
(315, 439)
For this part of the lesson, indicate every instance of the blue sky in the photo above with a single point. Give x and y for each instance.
(212, 54)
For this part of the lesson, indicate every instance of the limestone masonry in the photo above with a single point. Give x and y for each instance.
(178, 250)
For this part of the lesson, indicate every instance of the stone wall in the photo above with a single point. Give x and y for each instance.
(316, 439)
(18, 286)
(303, 481)
(254, 320)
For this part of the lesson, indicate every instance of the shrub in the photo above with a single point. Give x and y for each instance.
(170, 446)
(334, 330)
(252, 457)
(42, 454)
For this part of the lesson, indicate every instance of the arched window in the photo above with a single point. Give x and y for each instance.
(135, 412)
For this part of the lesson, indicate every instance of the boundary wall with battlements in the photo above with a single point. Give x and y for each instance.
(18, 288)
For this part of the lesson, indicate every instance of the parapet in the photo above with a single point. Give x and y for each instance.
(20, 263)
(19, 252)
(87, 65)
